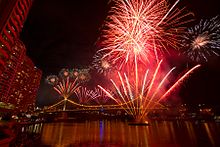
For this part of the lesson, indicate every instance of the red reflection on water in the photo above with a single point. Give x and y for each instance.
(117, 134)
(209, 133)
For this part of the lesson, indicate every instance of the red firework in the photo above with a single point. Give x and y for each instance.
(84, 95)
(141, 93)
(141, 30)
(66, 87)
(100, 96)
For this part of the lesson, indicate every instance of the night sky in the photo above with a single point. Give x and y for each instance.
(62, 34)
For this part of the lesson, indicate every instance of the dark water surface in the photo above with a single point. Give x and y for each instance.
(119, 134)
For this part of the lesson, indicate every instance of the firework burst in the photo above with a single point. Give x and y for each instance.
(84, 75)
(202, 40)
(140, 29)
(102, 64)
(100, 96)
(52, 79)
(138, 96)
(68, 80)
(84, 95)
(64, 73)
(75, 72)
(66, 87)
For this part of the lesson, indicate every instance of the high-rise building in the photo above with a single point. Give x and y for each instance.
(19, 78)
(25, 85)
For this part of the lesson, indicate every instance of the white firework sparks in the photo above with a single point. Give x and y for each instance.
(202, 40)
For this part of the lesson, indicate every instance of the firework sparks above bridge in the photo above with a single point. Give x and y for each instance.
(67, 83)
(137, 97)
(135, 37)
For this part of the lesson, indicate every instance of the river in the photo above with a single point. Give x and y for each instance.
(116, 133)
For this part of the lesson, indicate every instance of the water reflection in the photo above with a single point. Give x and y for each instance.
(118, 133)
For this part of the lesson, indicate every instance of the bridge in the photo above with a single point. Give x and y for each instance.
(61, 111)
(83, 107)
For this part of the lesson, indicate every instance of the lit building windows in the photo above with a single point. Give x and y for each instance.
(19, 77)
